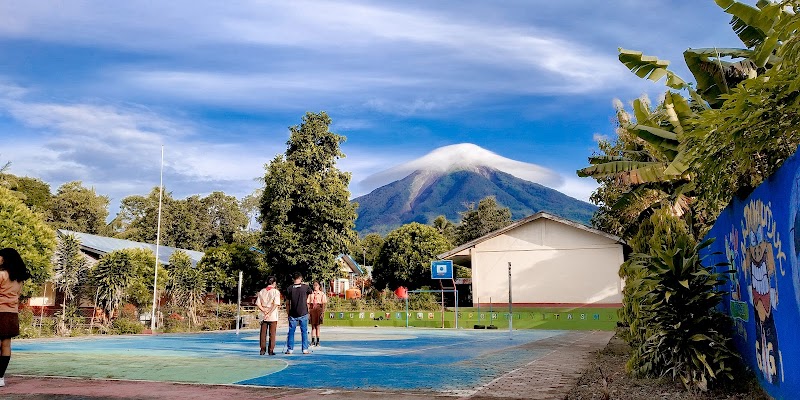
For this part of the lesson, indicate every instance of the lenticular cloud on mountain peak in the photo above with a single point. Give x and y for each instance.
(464, 156)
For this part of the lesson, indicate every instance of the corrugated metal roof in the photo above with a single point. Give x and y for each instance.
(103, 245)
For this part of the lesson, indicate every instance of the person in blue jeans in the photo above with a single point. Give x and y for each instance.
(297, 297)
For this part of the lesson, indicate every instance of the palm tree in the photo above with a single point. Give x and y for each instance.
(187, 284)
(113, 275)
(70, 270)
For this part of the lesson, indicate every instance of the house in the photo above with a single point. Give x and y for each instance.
(94, 246)
(554, 262)
(350, 274)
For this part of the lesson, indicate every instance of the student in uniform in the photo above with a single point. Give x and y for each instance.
(12, 273)
(316, 312)
(268, 301)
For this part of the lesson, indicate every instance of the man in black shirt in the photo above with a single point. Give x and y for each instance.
(297, 297)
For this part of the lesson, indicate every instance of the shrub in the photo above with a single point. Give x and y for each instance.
(123, 326)
(683, 336)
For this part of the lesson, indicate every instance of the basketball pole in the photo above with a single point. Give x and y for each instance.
(510, 307)
(239, 303)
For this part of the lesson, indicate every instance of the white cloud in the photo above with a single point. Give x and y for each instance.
(116, 149)
(579, 188)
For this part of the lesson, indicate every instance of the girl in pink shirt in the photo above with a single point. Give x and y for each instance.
(12, 273)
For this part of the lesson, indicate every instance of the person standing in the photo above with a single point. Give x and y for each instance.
(268, 301)
(316, 312)
(12, 274)
(297, 297)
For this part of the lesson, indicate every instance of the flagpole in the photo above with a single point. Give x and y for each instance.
(158, 240)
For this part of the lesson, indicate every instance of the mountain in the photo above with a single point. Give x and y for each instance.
(446, 184)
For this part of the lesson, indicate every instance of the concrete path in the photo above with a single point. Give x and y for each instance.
(548, 377)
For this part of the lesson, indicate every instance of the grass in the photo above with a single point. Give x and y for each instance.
(524, 318)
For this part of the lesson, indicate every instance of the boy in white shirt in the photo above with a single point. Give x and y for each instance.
(268, 301)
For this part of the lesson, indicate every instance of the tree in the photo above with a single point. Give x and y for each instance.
(140, 289)
(112, 275)
(306, 216)
(22, 229)
(487, 217)
(445, 227)
(226, 218)
(187, 284)
(189, 225)
(78, 209)
(366, 250)
(126, 275)
(406, 255)
(633, 168)
(70, 271)
(222, 264)
(34, 192)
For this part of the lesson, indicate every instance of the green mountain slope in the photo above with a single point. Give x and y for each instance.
(390, 206)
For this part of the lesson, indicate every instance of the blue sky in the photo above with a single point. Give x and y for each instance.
(90, 90)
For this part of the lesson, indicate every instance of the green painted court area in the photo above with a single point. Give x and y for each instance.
(586, 318)
(224, 370)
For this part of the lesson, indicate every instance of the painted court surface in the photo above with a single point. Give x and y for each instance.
(414, 359)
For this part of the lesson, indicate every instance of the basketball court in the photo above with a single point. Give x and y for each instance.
(446, 361)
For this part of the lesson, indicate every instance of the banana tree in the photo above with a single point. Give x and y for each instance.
(643, 169)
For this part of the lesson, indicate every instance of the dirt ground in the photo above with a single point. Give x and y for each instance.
(605, 378)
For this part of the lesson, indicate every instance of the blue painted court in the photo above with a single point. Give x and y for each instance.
(444, 360)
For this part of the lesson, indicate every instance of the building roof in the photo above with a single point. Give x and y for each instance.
(351, 263)
(524, 221)
(102, 245)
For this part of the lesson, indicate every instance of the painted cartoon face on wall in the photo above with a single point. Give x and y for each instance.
(760, 261)
(761, 245)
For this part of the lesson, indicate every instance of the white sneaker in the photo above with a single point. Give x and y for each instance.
(306, 351)
(3, 381)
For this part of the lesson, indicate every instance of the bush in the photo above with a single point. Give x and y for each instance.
(29, 329)
(683, 336)
(124, 326)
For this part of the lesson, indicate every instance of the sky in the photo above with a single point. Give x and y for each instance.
(91, 90)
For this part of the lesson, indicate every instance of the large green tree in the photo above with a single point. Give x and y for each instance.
(34, 192)
(22, 229)
(78, 208)
(488, 216)
(406, 255)
(306, 216)
(226, 218)
(194, 223)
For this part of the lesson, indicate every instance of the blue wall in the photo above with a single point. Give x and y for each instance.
(760, 238)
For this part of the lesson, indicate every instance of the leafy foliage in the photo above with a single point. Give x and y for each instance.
(192, 223)
(478, 221)
(77, 208)
(222, 265)
(22, 229)
(306, 216)
(187, 284)
(126, 275)
(34, 192)
(684, 335)
(70, 266)
(406, 256)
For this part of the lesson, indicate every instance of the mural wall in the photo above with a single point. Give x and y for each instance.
(760, 238)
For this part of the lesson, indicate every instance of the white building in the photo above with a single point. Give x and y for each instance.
(554, 263)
